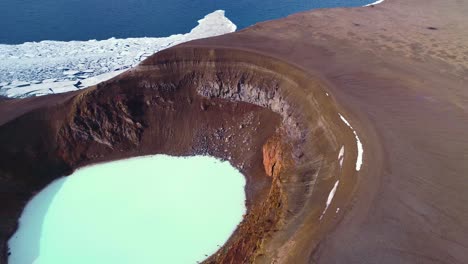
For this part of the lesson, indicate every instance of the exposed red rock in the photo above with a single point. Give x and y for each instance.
(273, 156)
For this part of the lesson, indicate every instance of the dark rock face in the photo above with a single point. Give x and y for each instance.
(229, 104)
(113, 122)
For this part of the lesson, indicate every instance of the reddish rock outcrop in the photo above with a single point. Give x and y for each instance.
(273, 156)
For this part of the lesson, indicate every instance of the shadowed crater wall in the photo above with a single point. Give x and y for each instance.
(272, 121)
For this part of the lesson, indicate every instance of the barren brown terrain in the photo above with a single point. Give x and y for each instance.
(269, 99)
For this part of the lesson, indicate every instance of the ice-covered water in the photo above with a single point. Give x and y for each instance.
(47, 67)
(32, 20)
(152, 209)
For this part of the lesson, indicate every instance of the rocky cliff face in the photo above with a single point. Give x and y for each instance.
(235, 105)
(274, 157)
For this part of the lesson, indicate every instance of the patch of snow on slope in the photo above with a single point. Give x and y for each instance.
(330, 197)
(74, 65)
(341, 156)
(359, 145)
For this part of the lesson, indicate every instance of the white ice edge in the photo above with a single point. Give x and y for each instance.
(359, 145)
(330, 198)
(73, 65)
(375, 3)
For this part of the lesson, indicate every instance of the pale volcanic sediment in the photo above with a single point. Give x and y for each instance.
(269, 98)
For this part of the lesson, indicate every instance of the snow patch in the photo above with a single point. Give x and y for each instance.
(359, 145)
(332, 194)
(330, 198)
(341, 156)
(64, 62)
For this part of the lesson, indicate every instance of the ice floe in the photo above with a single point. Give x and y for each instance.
(61, 65)
(375, 3)
(71, 72)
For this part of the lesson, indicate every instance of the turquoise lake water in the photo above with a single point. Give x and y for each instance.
(152, 209)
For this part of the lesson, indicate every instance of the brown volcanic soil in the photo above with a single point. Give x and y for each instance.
(397, 71)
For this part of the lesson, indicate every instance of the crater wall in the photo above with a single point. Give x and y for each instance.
(271, 120)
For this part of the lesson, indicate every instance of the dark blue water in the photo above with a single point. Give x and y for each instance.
(35, 20)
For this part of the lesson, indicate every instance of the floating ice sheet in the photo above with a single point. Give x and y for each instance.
(375, 3)
(22, 64)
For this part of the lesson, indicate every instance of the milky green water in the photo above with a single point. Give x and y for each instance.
(153, 209)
